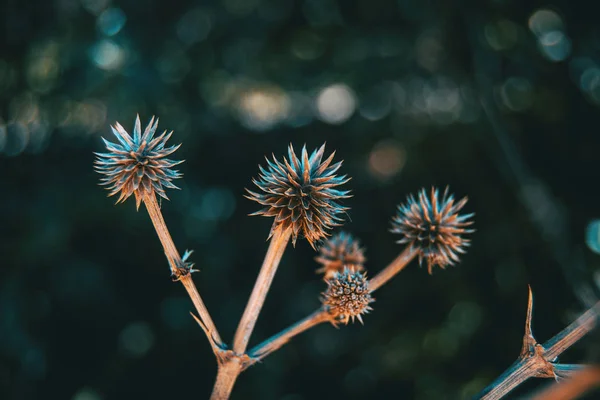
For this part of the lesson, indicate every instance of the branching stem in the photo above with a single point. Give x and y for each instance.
(538, 360)
(237, 360)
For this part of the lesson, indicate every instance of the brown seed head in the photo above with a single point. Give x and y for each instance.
(347, 296)
(301, 194)
(137, 165)
(339, 251)
(434, 227)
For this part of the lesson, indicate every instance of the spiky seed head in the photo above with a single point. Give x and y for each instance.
(434, 227)
(347, 296)
(339, 251)
(137, 165)
(301, 194)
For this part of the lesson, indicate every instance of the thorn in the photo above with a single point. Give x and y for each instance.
(216, 347)
(200, 323)
(529, 317)
(529, 341)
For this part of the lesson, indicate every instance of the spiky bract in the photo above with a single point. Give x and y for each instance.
(347, 296)
(433, 227)
(301, 194)
(339, 251)
(138, 165)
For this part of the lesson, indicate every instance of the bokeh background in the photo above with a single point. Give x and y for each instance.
(498, 99)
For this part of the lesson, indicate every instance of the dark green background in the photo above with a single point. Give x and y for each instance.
(87, 309)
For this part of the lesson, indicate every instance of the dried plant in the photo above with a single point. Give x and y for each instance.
(138, 164)
(303, 194)
(433, 226)
(347, 296)
(340, 251)
(540, 360)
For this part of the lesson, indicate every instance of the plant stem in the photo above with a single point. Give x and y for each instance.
(572, 333)
(537, 360)
(177, 264)
(277, 246)
(517, 373)
(163, 233)
(393, 268)
(226, 377)
(275, 342)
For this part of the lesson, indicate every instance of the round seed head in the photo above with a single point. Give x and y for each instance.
(433, 227)
(301, 194)
(339, 251)
(137, 165)
(347, 296)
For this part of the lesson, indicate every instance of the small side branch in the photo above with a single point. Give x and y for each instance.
(407, 255)
(275, 342)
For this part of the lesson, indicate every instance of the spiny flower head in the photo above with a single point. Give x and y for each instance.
(347, 296)
(339, 251)
(137, 165)
(433, 227)
(301, 194)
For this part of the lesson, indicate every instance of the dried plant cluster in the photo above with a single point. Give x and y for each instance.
(138, 165)
(433, 226)
(303, 194)
(347, 296)
(340, 251)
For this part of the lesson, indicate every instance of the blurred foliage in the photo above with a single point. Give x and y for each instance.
(498, 98)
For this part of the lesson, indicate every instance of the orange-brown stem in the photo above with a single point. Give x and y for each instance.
(177, 265)
(393, 268)
(277, 246)
(275, 342)
(226, 377)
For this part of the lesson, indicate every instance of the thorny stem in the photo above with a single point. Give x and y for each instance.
(275, 342)
(393, 268)
(179, 270)
(277, 246)
(538, 360)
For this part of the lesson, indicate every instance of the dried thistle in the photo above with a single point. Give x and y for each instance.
(433, 227)
(347, 296)
(300, 193)
(138, 165)
(339, 251)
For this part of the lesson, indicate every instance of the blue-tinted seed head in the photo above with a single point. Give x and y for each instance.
(137, 165)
